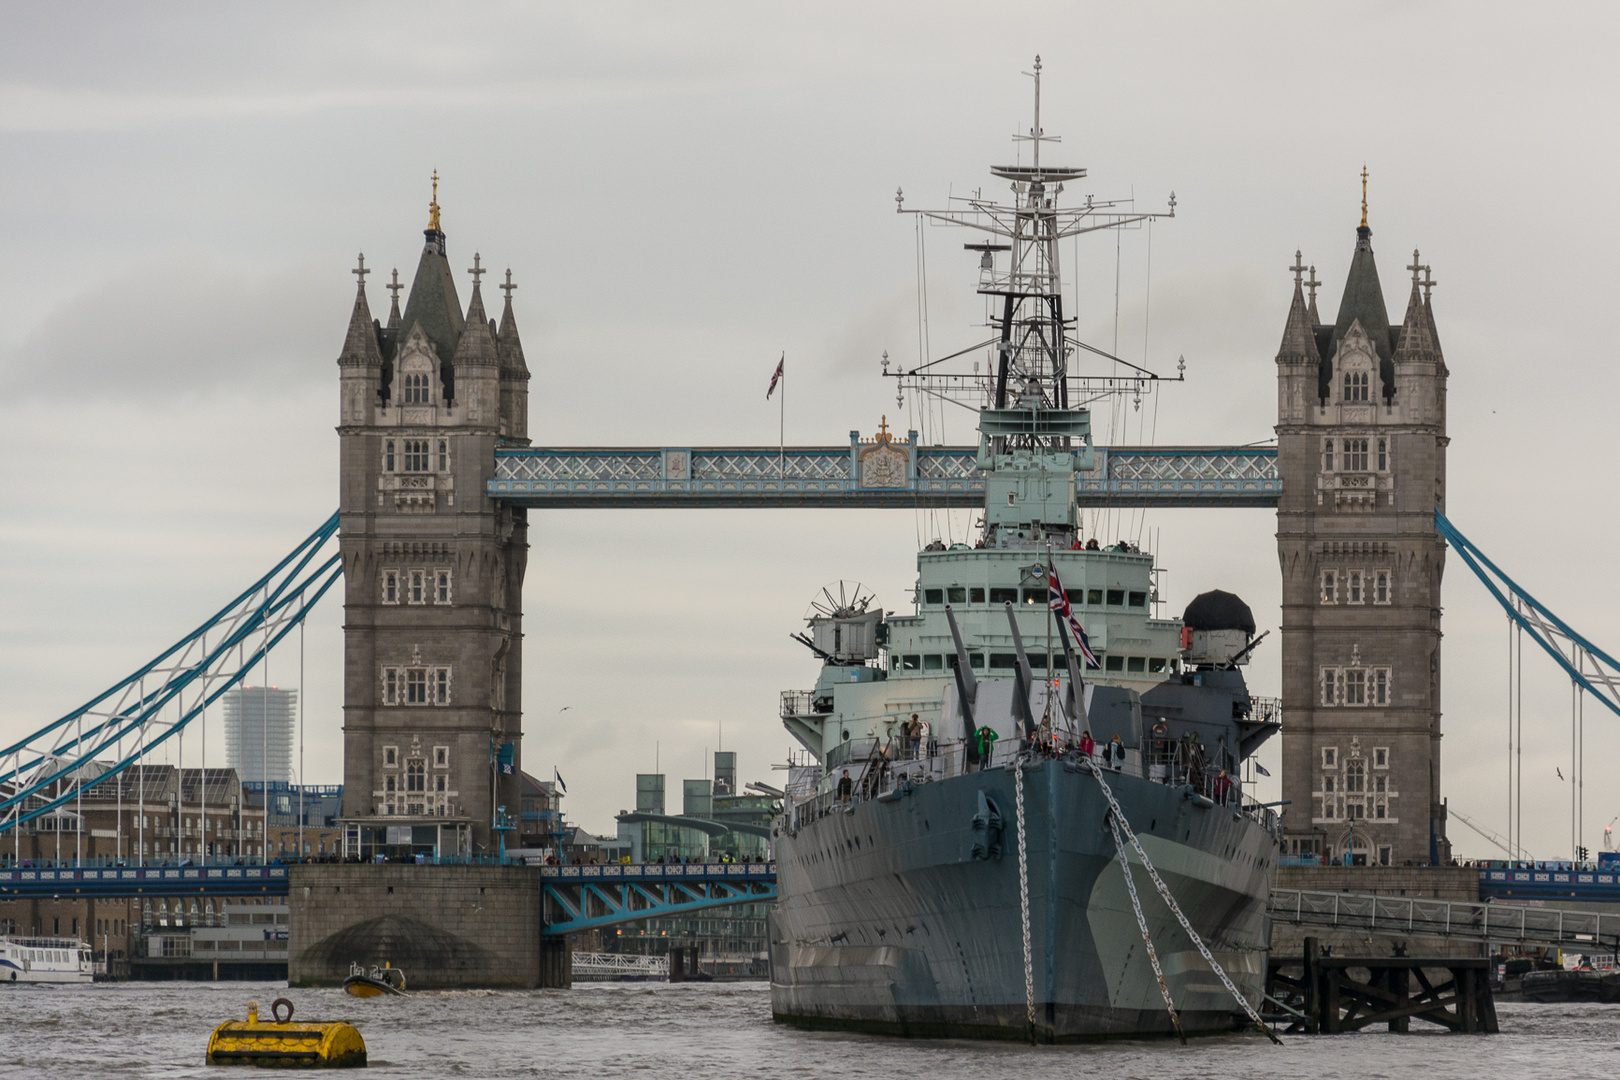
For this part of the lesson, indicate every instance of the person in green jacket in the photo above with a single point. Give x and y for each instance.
(987, 743)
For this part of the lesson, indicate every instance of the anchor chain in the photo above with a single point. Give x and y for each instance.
(1175, 908)
(1141, 921)
(1023, 896)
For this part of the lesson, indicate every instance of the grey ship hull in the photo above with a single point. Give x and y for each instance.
(890, 920)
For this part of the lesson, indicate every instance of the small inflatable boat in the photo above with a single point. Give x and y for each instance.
(374, 983)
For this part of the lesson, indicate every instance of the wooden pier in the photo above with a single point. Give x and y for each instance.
(1319, 994)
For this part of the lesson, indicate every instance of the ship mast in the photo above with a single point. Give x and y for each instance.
(1020, 269)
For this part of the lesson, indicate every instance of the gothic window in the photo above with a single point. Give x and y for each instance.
(440, 783)
(1355, 455)
(440, 686)
(1355, 777)
(416, 455)
(1380, 587)
(444, 455)
(390, 587)
(441, 586)
(441, 757)
(1355, 386)
(416, 389)
(1353, 587)
(391, 688)
(417, 592)
(1330, 758)
(1379, 687)
(388, 456)
(416, 686)
(1330, 587)
(388, 785)
(1383, 455)
(415, 775)
(1380, 758)
(1386, 854)
(390, 756)
(1327, 455)
(1355, 686)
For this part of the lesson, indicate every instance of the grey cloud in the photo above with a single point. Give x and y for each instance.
(181, 324)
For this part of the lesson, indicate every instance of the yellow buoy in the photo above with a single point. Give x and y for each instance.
(282, 1043)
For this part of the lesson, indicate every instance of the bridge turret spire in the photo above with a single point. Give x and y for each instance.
(360, 345)
(514, 372)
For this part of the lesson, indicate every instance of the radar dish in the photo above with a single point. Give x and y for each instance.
(840, 600)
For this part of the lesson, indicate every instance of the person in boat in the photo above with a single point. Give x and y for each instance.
(845, 787)
(1091, 545)
(1087, 743)
(1222, 787)
(1116, 753)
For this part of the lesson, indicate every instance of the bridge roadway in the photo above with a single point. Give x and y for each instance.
(848, 476)
(101, 882)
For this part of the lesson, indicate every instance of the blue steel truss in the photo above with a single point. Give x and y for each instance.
(1587, 664)
(124, 724)
(575, 898)
(836, 476)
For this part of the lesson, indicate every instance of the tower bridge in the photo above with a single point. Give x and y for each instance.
(439, 475)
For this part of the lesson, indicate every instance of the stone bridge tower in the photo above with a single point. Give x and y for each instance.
(433, 569)
(1361, 449)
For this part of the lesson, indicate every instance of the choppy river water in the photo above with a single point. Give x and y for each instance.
(718, 1031)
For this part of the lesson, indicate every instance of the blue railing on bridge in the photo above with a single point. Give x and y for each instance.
(661, 872)
(1551, 881)
(144, 880)
(840, 476)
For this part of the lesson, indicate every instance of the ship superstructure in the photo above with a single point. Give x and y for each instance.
(946, 857)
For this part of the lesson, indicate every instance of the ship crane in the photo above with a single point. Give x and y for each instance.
(1495, 838)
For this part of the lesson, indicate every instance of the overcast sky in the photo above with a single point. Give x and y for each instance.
(684, 191)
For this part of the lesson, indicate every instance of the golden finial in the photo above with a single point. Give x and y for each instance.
(433, 207)
(1364, 196)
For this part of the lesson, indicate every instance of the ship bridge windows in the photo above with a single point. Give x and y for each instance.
(1156, 663)
(933, 596)
(910, 662)
(1135, 663)
(1113, 663)
(1075, 596)
(1094, 597)
(976, 660)
(1004, 596)
(976, 595)
(1003, 661)
(1138, 599)
(1116, 597)
(956, 594)
(1034, 596)
(932, 662)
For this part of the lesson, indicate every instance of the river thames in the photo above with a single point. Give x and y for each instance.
(717, 1031)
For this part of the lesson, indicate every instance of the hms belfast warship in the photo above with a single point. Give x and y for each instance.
(970, 883)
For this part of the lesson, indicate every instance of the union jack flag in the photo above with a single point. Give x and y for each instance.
(1058, 601)
(776, 378)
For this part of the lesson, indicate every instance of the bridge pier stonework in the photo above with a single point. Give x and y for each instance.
(1361, 450)
(432, 567)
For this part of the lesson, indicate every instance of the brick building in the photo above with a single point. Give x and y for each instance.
(1361, 438)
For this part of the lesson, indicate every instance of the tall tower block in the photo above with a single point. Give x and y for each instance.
(1361, 449)
(433, 569)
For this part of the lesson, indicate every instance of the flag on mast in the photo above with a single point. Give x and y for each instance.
(777, 377)
(1058, 601)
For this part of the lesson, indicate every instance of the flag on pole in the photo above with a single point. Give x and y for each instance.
(560, 783)
(1261, 769)
(1058, 601)
(777, 377)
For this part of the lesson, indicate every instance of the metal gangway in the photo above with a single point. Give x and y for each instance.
(619, 966)
(1458, 920)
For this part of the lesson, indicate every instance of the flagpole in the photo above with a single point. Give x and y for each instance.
(781, 431)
